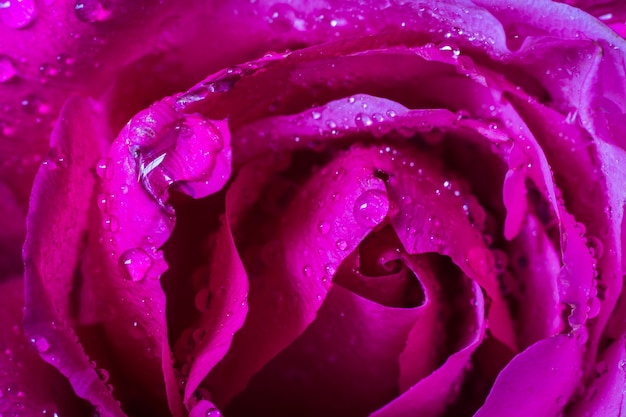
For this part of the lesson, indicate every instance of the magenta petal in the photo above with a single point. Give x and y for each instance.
(333, 211)
(56, 223)
(536, 265)
(159, 150)
(431, 395)
(345, 363)
(224, 306)
(555, 362)
(605, 395)
(13, 226)
(30, 386)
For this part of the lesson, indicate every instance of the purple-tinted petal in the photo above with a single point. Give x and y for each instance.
(324, 221)
(535, 264)
(605, 395)
(158, 151)
(204, 408)
(223, 304)
(554, 362)
(28, 386)
(432, 394)
(344, 363)
(56, 224)
(13, 226)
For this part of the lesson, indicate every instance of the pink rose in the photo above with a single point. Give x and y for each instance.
(409, 209)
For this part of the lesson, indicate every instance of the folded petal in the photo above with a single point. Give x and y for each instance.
(56, 225)
(333, 210)
(555, 361)
(605, 395)
(30, 386)
(345, 363)
(223, 305)
(431, 395)
(159, 151)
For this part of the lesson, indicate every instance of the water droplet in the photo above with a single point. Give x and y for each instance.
(17, 14)
(371, 207)
(596, 248)
(594, 307)
(91, 11)
(323, 227)
(351, 99)
(281, 17)
(307, 271)
(7, 69)
(103, 375)
(41, 343)
(316, 115)
(341, 244)
(213, 412)
(363, 120)
(104, 168)
(330, 270)
(450, 48)
(55, 159)
(134, 264)
(111, 224)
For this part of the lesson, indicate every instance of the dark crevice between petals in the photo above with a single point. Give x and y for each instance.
(376, 271)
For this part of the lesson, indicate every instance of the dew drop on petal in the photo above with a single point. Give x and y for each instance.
(91, 11)
(7, 69)
(341, 244)
(17, 14)
(213, 412)
(111, 224)
(41, 344)
(323, 227)
(104, 168)
(103, 375)
(363, 120)
(134, 264)
(371, 207)
(307, 271)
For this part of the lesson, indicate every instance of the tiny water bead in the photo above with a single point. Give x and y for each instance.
(7, 69)
(307, 271)
(371, 207)
(91, 11)
(134, 264)
(18, 14)
(41, 343)
(341, 244)
(323, 228)
(104, 168)
(111, 224)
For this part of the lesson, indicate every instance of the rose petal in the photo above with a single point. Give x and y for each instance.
(606, 395)
(555, 361)
(344, 363)
(434, 393)
(535, 265)
(56, 223)
(29, 385)
(152, 155)
(454, 312)
(13, 226)
(292, 281)
(224, 310)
